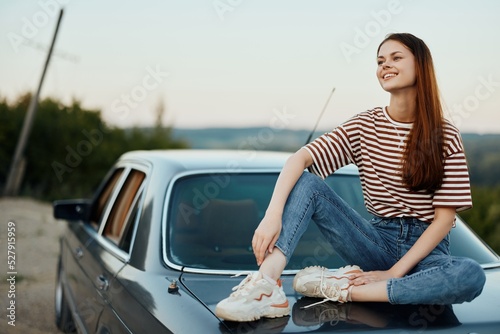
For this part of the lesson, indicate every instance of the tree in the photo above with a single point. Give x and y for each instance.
(70, 148)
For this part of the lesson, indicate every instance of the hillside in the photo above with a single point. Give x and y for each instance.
(252, 138)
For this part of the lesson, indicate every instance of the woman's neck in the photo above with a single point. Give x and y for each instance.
(402, 108)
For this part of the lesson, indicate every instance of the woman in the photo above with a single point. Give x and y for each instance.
(414, 177)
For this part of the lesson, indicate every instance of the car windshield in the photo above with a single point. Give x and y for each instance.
(212, 218)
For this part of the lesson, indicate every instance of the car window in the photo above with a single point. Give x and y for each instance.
(126, 238)
(212, 219)
(103, 198)
(124, 209)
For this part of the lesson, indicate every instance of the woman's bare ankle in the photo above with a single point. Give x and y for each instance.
(273, 265)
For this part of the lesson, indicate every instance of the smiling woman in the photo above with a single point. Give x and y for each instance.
(406, 71)
(413, 187)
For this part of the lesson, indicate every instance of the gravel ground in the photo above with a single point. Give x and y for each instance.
(36, 251)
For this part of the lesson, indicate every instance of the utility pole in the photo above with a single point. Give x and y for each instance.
(17, 166)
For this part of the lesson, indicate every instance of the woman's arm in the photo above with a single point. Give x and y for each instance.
(443, 222)
(432, 236)
(268, 231)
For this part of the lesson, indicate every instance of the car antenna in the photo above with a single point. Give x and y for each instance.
(320, 115)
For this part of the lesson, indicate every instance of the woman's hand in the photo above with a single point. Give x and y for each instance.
(370, 277)
(269, 229)
(265, 237)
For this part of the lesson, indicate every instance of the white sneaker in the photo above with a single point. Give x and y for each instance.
(252, 299)
(318, 282)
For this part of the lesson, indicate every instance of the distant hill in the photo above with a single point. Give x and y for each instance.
(483, 151)
(252, 138)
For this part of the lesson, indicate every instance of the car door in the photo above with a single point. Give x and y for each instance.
(112, 247)
(78, 261)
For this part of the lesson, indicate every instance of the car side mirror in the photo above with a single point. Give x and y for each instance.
(73, 209)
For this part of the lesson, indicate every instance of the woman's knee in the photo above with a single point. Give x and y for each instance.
(473, 278)
(306, 185)
(308, 180)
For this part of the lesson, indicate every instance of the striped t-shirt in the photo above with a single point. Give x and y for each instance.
(374, 142)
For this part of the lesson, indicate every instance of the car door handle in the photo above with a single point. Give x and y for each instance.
(102, 282)
(78, 253)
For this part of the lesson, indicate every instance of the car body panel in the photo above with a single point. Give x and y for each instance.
(136, 298)
(81, 291)
(105, 266)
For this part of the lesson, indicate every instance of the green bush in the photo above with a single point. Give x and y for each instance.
(484, 217)
(70, 149)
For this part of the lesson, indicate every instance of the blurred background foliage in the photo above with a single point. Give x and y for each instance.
(70, 149)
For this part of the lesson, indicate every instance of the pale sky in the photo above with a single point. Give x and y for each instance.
(237, 63)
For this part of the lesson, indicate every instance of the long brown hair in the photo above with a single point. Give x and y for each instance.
(423, 156)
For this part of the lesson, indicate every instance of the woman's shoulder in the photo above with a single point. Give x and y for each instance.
(363, 118)
(368, 115)
(452, 138)
(372, 113)
(450, 129)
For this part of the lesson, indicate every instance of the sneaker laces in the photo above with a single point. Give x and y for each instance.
(243, 286)
(334, 292)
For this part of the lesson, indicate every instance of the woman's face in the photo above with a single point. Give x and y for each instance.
(396, 67)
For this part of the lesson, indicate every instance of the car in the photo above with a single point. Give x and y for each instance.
(157, 246)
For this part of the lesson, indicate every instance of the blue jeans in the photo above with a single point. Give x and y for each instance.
(378, 244)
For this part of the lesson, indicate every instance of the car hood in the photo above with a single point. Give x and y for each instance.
(482, 315)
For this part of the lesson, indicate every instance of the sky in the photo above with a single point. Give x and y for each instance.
(239, 63)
